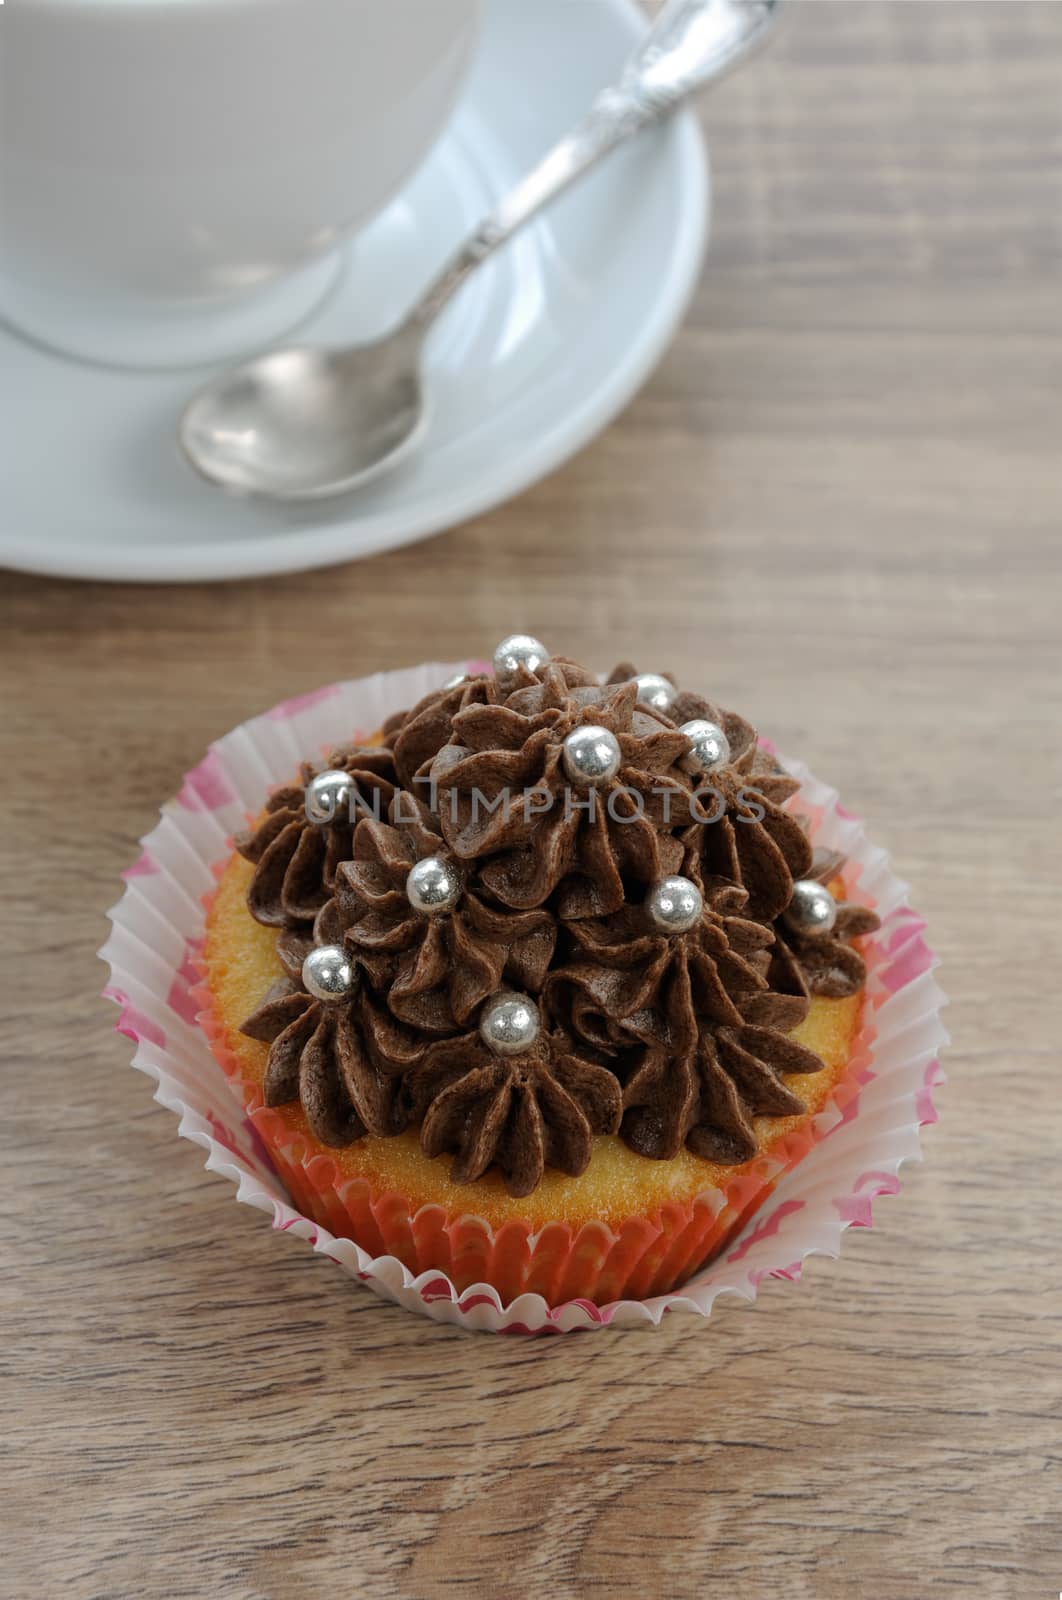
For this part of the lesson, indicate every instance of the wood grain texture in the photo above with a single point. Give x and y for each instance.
(839, 505)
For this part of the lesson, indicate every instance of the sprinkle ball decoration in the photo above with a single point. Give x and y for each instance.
(328, 797)
(655, 691)
(516, 651)
(327, 974)
(812, 910)
(674, 905)
(433, 886)
(591, 755)
(509, 1024)
(710, 747)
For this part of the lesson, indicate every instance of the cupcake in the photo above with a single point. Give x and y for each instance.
(542, 987)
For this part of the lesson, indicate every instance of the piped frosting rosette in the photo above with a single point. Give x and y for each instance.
(849, 1154)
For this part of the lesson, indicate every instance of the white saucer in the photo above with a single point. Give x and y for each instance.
(541, 350)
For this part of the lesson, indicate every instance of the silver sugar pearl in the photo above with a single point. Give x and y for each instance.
(509, 1023)
(518, 650)
(591, 755)
(711, 747)
(674, 905)
(327, 974)
(654, 691)
(812, 910)
(433, 886)
(328, 797)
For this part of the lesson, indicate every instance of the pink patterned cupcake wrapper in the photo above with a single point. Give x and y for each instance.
(158, 923)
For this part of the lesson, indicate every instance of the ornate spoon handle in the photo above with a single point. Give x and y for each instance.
(691, 44)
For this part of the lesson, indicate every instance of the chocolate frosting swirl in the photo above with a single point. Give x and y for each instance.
(669, 1038)
(295, 860)
(551, 838)
(628, 981)
(705, 1067)
(342, 1061)
(707, 1099)
(752, 841)
(435, 970)
(417, 735)
(828, 964)
(521, 1114)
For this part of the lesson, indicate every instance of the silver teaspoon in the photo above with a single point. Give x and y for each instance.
(307, 423)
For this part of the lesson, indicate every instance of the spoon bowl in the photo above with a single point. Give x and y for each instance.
(305, 423)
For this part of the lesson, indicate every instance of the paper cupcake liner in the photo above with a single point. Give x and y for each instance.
(823, 1181)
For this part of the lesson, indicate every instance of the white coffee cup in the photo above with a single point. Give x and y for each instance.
(177, 177)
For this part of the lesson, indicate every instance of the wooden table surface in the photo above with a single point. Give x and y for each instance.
(838, 504)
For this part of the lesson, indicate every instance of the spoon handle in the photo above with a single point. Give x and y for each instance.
(691, 44)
